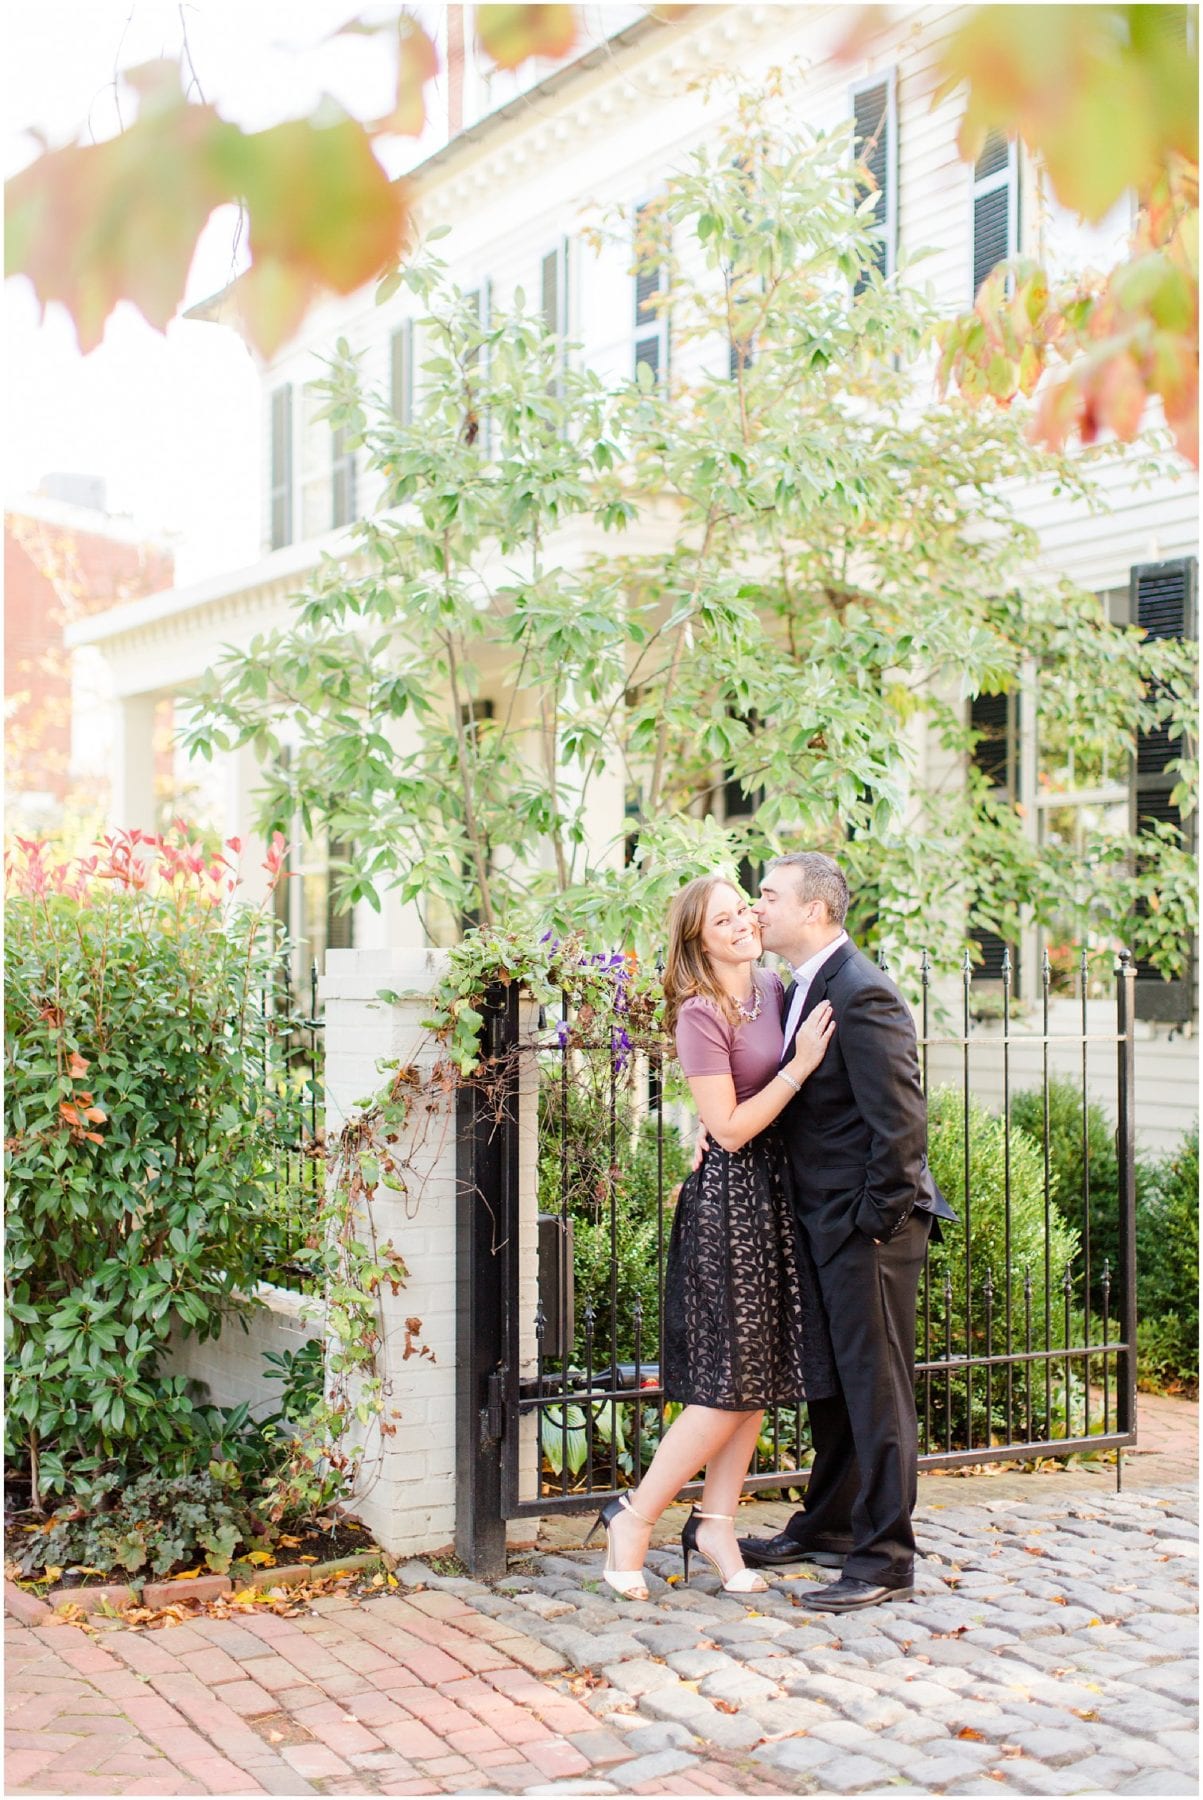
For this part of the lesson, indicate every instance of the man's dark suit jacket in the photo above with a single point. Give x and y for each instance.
(856, 1135)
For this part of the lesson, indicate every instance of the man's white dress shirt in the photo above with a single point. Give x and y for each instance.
(804, 974)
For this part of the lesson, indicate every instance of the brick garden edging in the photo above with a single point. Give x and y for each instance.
(121, 1596)
(26, 1607)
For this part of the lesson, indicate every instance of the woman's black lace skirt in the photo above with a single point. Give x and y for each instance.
(743, 1322)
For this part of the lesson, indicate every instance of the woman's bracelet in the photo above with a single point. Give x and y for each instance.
(789, 1081)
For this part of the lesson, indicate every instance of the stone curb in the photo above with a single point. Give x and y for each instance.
(26, 1607)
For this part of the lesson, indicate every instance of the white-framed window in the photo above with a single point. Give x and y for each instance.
(995, 206)
(1084, 793)
(875, 144)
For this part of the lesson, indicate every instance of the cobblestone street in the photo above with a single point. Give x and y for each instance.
(1050, 1649)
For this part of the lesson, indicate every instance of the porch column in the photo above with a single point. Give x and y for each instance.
(243, 777)
(133, 802)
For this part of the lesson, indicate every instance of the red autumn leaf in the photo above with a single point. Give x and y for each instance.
(1120, 396)
(1101, 92)
(96, 1114)
(93, 224)
(866, 23)
(93, 1137)
(417, 63)
(323, 214)
(78, 1065)
(69, 1114)
(511, 34)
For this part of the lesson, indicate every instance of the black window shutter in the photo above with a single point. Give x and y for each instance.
(1164, 602)
(401, 373)
(551, 290)
(995, 224)
(281, 467)
(651, 324)
(991, 232)
(874, 148)
(994, 157)
(340, 926)
(995, 717)
(991, 716)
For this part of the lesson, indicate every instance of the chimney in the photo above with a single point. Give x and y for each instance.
(86, 491)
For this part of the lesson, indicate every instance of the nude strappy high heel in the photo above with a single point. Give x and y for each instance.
(744, 1581)
(629, 1583)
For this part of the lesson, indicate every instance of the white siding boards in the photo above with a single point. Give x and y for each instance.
(1164, 602)
(875, 117)
(280, 521)
(995, 206)
(651, 320)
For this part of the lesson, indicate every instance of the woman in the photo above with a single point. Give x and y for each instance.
(743, 1329)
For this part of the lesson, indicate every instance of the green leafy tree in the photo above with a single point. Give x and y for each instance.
(809, 568)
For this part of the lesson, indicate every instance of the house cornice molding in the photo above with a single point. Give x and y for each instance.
(506, 146)
(584, 98)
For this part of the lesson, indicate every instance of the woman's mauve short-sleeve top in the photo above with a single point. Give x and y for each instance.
(750, 1053)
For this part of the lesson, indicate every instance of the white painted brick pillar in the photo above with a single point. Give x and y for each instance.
(406, 1492)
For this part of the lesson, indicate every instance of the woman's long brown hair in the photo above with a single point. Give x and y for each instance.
(688, 974)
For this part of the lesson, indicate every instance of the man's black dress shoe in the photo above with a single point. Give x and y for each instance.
(847, 1594)
(771, 1553)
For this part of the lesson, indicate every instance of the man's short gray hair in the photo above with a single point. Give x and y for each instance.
(818, 878)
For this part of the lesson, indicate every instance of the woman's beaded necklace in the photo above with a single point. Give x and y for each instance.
(746, 1014)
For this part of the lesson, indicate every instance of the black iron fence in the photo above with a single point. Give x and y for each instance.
(1026, 1329)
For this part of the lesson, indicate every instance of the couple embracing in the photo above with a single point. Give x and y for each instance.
(797, 1243)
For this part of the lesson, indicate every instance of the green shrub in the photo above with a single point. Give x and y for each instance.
(1068, 1169)
(958, 1319)
(1167, 1270)
(139, 1148)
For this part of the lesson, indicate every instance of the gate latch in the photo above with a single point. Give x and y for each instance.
(492, 1413)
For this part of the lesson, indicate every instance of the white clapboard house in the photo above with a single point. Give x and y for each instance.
(527, 155)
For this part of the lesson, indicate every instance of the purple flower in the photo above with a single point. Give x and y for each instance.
(563, 1030)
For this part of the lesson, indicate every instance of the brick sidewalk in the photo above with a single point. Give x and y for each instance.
(545, 1684)
(415, 1695)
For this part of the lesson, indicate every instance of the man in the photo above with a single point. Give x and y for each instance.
(856, 1139)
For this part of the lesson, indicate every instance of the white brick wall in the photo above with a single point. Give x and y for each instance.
(406, 1494)
(230, 1366)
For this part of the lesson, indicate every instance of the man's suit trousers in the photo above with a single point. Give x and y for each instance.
(863, 1480)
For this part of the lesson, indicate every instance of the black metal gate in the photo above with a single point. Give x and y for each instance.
(1026, 1339)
